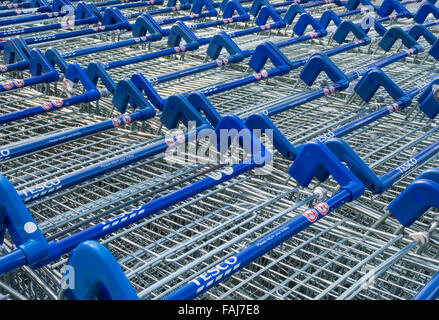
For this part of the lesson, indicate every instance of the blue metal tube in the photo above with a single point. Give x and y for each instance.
(43, 108)
(78, 133)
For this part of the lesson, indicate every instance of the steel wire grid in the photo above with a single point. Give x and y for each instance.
(130, 13)
(65, 119)
(123, 242)
(124, 252)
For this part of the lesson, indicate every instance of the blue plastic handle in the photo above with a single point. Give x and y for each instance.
(15, 218)
(16, 50)
(388, 6)
(180, 31)
(127, 93)
(97, 275)
(146, 24)
(269, 12)
(292, 12)
(198, 6)
(419, 30)
(96, 71)
(76, 74)
(329, 16)
(179, 109)
(234, 6)
(55, 59)
(257, 5)
(312, 157)
(353, 4)
(145, 86)
(261, 122)
(347, 27)
(83, 11)
(357, 166)
(374, 79)
(429, 100)
(415, 200)
(306, 20)
(222, 40)
(395, 33)
(320, 62)
(424, 10)
(266, 51)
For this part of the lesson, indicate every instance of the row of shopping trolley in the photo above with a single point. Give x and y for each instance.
(219, 150)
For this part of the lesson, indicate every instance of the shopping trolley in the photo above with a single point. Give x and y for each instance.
(168, 279)
(272, 185)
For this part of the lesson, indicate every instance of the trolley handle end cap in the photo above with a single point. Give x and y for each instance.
(414, 201)
(181, 31)
(419, 30)
(198, 6)
(266, 51)
(388, 6)
(16, 50)
(256, 6)
(97, 274)
(16, 219)
(320, 62)
(306, 20)
(313, 157)
(179, 109)
(353, 4)
(236, 128)
(424, 10)
(267, 12)
(347, 27)
(261, 122)
(126, 93)
(429, 100)
(327, 17)
(374, 79)
(146, 24)
(223, 41)
(233, 6)
(395, 33)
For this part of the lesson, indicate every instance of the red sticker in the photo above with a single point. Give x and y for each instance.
(264, 73)
(19, 83)
(226, 61)
(8, 85)
(219, 63)
(181, 138)
(177, 49)
(116, 122)
(3, 68)
(257, 76)
(46, 106)
(323, 208)
(126, 119)
(58, 103)
(170, 142)
(311, 215)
